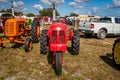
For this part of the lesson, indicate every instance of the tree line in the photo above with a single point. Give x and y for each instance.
(44, 12)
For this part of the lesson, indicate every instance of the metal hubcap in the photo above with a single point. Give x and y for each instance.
(102, 34)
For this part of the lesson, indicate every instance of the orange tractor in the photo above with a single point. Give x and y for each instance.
(15, 30)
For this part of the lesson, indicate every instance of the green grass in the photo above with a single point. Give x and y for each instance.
(91, 64)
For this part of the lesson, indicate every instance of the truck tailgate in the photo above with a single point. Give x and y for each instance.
(85, 25)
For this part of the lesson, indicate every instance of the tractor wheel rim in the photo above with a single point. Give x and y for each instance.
(117, 53)
(38, 31)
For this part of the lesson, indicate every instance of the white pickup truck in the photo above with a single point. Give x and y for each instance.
(101, 28)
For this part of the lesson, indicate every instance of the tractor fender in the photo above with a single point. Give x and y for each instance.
(71, 35)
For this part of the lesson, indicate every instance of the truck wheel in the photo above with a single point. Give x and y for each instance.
(43, 42)
(35, 31)
(101, 34)
(116, 52)
(58, 64)
(28, 45)
(75, 42)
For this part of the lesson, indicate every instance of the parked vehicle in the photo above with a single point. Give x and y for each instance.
(68, 21)
(101, 28)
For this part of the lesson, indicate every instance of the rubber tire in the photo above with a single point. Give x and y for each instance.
(27, 42)
(58, 64)
(34, 36)
(75, 42)
(99, 36)
(114, 45)
(43, 42)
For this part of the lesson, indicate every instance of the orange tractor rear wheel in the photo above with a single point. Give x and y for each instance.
(35, 31)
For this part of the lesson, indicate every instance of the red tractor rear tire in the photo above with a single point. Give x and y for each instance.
(35, 34)
(75, 42)
(43, 42)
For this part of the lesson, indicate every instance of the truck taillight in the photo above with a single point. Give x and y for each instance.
(92, 26)
(61, 36)
(54, 36)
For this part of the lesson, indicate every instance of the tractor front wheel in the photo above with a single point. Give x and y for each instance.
(43, 42)
(116, 52)
(58, 63)
(75, 42)
(28, 45)
(35, 31)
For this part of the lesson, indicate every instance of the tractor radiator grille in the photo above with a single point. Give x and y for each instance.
(61, 36)
(9, 28)
(54, 36)
(58, 36)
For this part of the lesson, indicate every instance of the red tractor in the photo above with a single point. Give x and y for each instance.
(55, 39)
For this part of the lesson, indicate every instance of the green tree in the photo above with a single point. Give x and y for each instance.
(30, 15)
(73, 14)
(9, 10)
(48, 12)
(3, 11)
(17, 13)
(66, 16)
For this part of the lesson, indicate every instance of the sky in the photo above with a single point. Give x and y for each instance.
(65, 7)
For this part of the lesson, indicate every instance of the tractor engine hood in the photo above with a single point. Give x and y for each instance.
(57, 27)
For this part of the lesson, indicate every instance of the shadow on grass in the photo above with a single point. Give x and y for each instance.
(108, 59)
(2, 37)
(88, 37)
(50, 55)
(17, 45)
(50, 58)
(69, 49)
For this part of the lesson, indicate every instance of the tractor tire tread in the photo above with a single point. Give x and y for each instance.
(35, 39)
(43, 42)
(75, 42)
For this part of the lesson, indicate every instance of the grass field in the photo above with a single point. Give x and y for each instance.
(94, 62)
